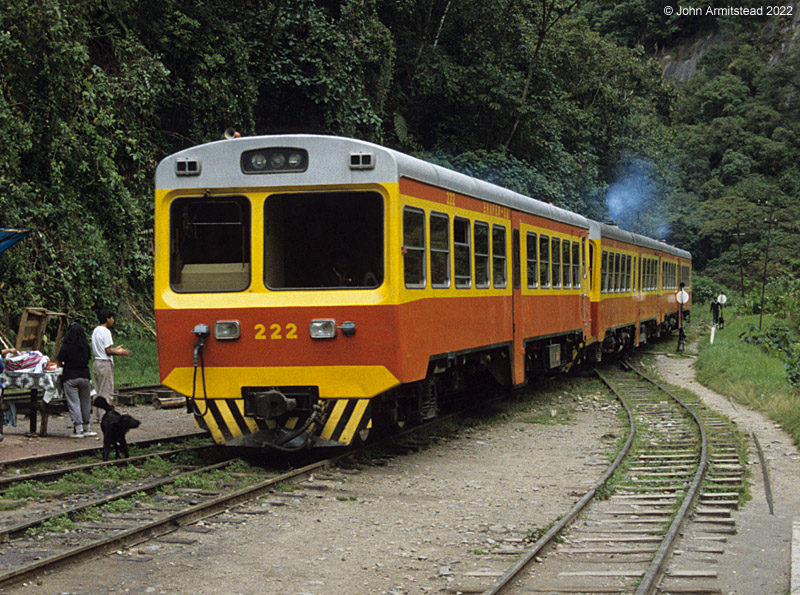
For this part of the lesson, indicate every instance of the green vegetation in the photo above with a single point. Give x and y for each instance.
(60, 524)
(750, 374)
(140, 368)
(21, 491)
(559, 99)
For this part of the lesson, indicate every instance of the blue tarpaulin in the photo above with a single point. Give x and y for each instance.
(9, 237)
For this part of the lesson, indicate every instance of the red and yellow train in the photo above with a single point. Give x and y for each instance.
(310, 289)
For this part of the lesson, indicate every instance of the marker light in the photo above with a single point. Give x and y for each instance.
(226, 330)
(322, 329)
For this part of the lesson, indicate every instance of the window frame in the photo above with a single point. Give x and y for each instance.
(535, 260)
(462, 281)
(446, 251)
(502, 258)
(422, 250)
(485, 257)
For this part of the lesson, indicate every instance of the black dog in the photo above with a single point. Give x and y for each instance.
(114, 425)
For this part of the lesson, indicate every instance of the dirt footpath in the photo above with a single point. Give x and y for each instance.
(757, 559)
(156, 423)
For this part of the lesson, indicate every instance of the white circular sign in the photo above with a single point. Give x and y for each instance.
(682, 296)
(722, 298)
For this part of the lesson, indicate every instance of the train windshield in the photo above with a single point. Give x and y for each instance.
(209, 244)
(323, 240)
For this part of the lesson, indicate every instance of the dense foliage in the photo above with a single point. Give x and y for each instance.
(560, 100)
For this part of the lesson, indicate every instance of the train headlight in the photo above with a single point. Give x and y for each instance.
(274, 160)
(227, 330)
(295, 160)
(258, 161)
(322, 329)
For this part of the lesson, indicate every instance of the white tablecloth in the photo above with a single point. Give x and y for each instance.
(48, 382)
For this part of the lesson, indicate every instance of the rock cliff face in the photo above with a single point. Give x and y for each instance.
(781, 32)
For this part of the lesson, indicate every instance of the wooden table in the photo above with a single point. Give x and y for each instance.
(46, 392)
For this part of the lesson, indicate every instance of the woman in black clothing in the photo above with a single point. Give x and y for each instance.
(74, 359)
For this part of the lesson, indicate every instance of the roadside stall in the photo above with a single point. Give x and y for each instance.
(29, 370)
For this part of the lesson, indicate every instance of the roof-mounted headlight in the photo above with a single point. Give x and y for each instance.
(274, 160)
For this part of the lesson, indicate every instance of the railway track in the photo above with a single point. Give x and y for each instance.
(82, 526)
(654, 523)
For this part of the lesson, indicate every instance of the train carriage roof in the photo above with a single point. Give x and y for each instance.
(604, 230)
(329, 163)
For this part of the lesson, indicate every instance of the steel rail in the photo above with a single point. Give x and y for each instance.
(653, 572)
(7, 532)
(27, 461)
(176, 520)
(554, 530)
(55, 473)
(155, 528)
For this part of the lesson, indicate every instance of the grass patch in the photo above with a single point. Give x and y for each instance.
(141, 366)
(59, 524)
(119, 506)
(749, 375)
(24, 490)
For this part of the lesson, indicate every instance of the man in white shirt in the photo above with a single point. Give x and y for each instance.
(104, 350)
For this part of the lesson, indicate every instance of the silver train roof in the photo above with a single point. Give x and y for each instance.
(329, 164)
(604, 230)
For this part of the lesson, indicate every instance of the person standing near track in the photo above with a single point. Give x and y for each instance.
(716, 307)
(104, 350)
(74, 359)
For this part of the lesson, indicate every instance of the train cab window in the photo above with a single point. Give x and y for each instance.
(566, 266)
(499, 274)
(590, 265)
(576, 265)
(210, 244)
(331, 240)
(481, 231)
(414, 248)
(531, 246)
(440, 250)
(555, 255)
(461, 252)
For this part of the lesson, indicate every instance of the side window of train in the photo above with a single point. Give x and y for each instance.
(628, 273)
(566, 265)
(481, 233)
(499, 274)
(531, 246)
(544, 261)
(461, 252)
(414, 248)
(210, 244)
(516, 257)
(617, 271)
(604, 272)
(576, 265)
(555, 256)
(440, 250)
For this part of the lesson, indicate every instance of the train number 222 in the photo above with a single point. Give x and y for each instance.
(276, 331)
